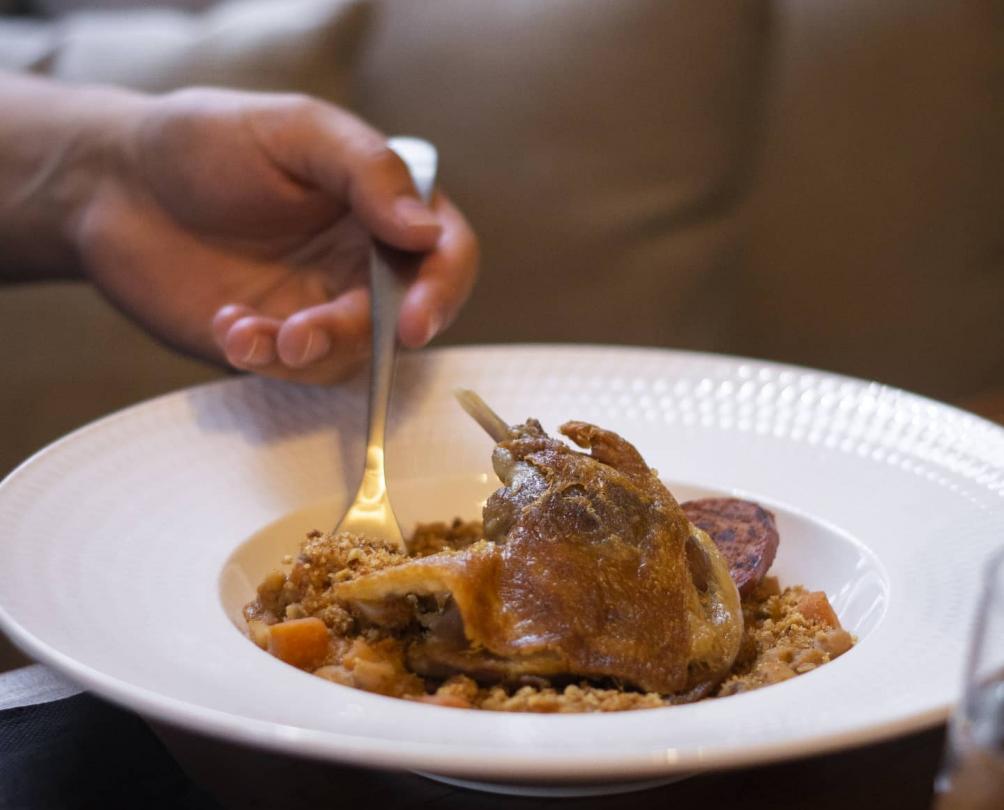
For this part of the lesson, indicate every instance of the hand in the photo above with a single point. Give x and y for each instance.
(237, 226)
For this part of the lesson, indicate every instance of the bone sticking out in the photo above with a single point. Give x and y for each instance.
(479, 411)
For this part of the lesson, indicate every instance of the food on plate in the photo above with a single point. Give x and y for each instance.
(587, 566)
(743, 531)
(587, 587)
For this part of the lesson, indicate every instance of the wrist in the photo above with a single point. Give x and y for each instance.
(56, 155)
(100, 162)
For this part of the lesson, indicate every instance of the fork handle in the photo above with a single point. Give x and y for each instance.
(387, 290)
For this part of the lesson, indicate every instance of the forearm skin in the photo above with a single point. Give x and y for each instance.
(57, 142)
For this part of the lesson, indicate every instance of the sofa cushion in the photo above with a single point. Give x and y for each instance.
(875, 243)
(599, 148)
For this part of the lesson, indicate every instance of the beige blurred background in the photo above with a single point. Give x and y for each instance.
(810, 181)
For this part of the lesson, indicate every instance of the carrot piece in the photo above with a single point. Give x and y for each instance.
(300, 642)
(816, 607)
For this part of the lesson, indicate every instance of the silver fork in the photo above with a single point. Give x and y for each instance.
(370, 513)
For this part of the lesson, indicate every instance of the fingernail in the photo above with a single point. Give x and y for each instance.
(260, 353)
(318, 345)
(432, 327)
(413, 213)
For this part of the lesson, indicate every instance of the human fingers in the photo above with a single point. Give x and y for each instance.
(246, 338)
(327, 148)
(225, 317)
(332, 334)
(321, 344)
(444, 281)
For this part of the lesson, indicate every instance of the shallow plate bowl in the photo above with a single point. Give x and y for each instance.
(129, 547)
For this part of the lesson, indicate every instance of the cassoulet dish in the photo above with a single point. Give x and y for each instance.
(586, 587)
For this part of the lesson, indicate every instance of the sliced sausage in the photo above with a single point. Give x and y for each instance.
(744, 532)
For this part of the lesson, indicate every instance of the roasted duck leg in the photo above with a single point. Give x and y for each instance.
(589, 569)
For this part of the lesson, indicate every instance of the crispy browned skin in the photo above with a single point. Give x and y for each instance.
(592, 557)
(744, 532)
(584, 572)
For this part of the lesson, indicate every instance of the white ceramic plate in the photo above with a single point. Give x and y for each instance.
(129, 547)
